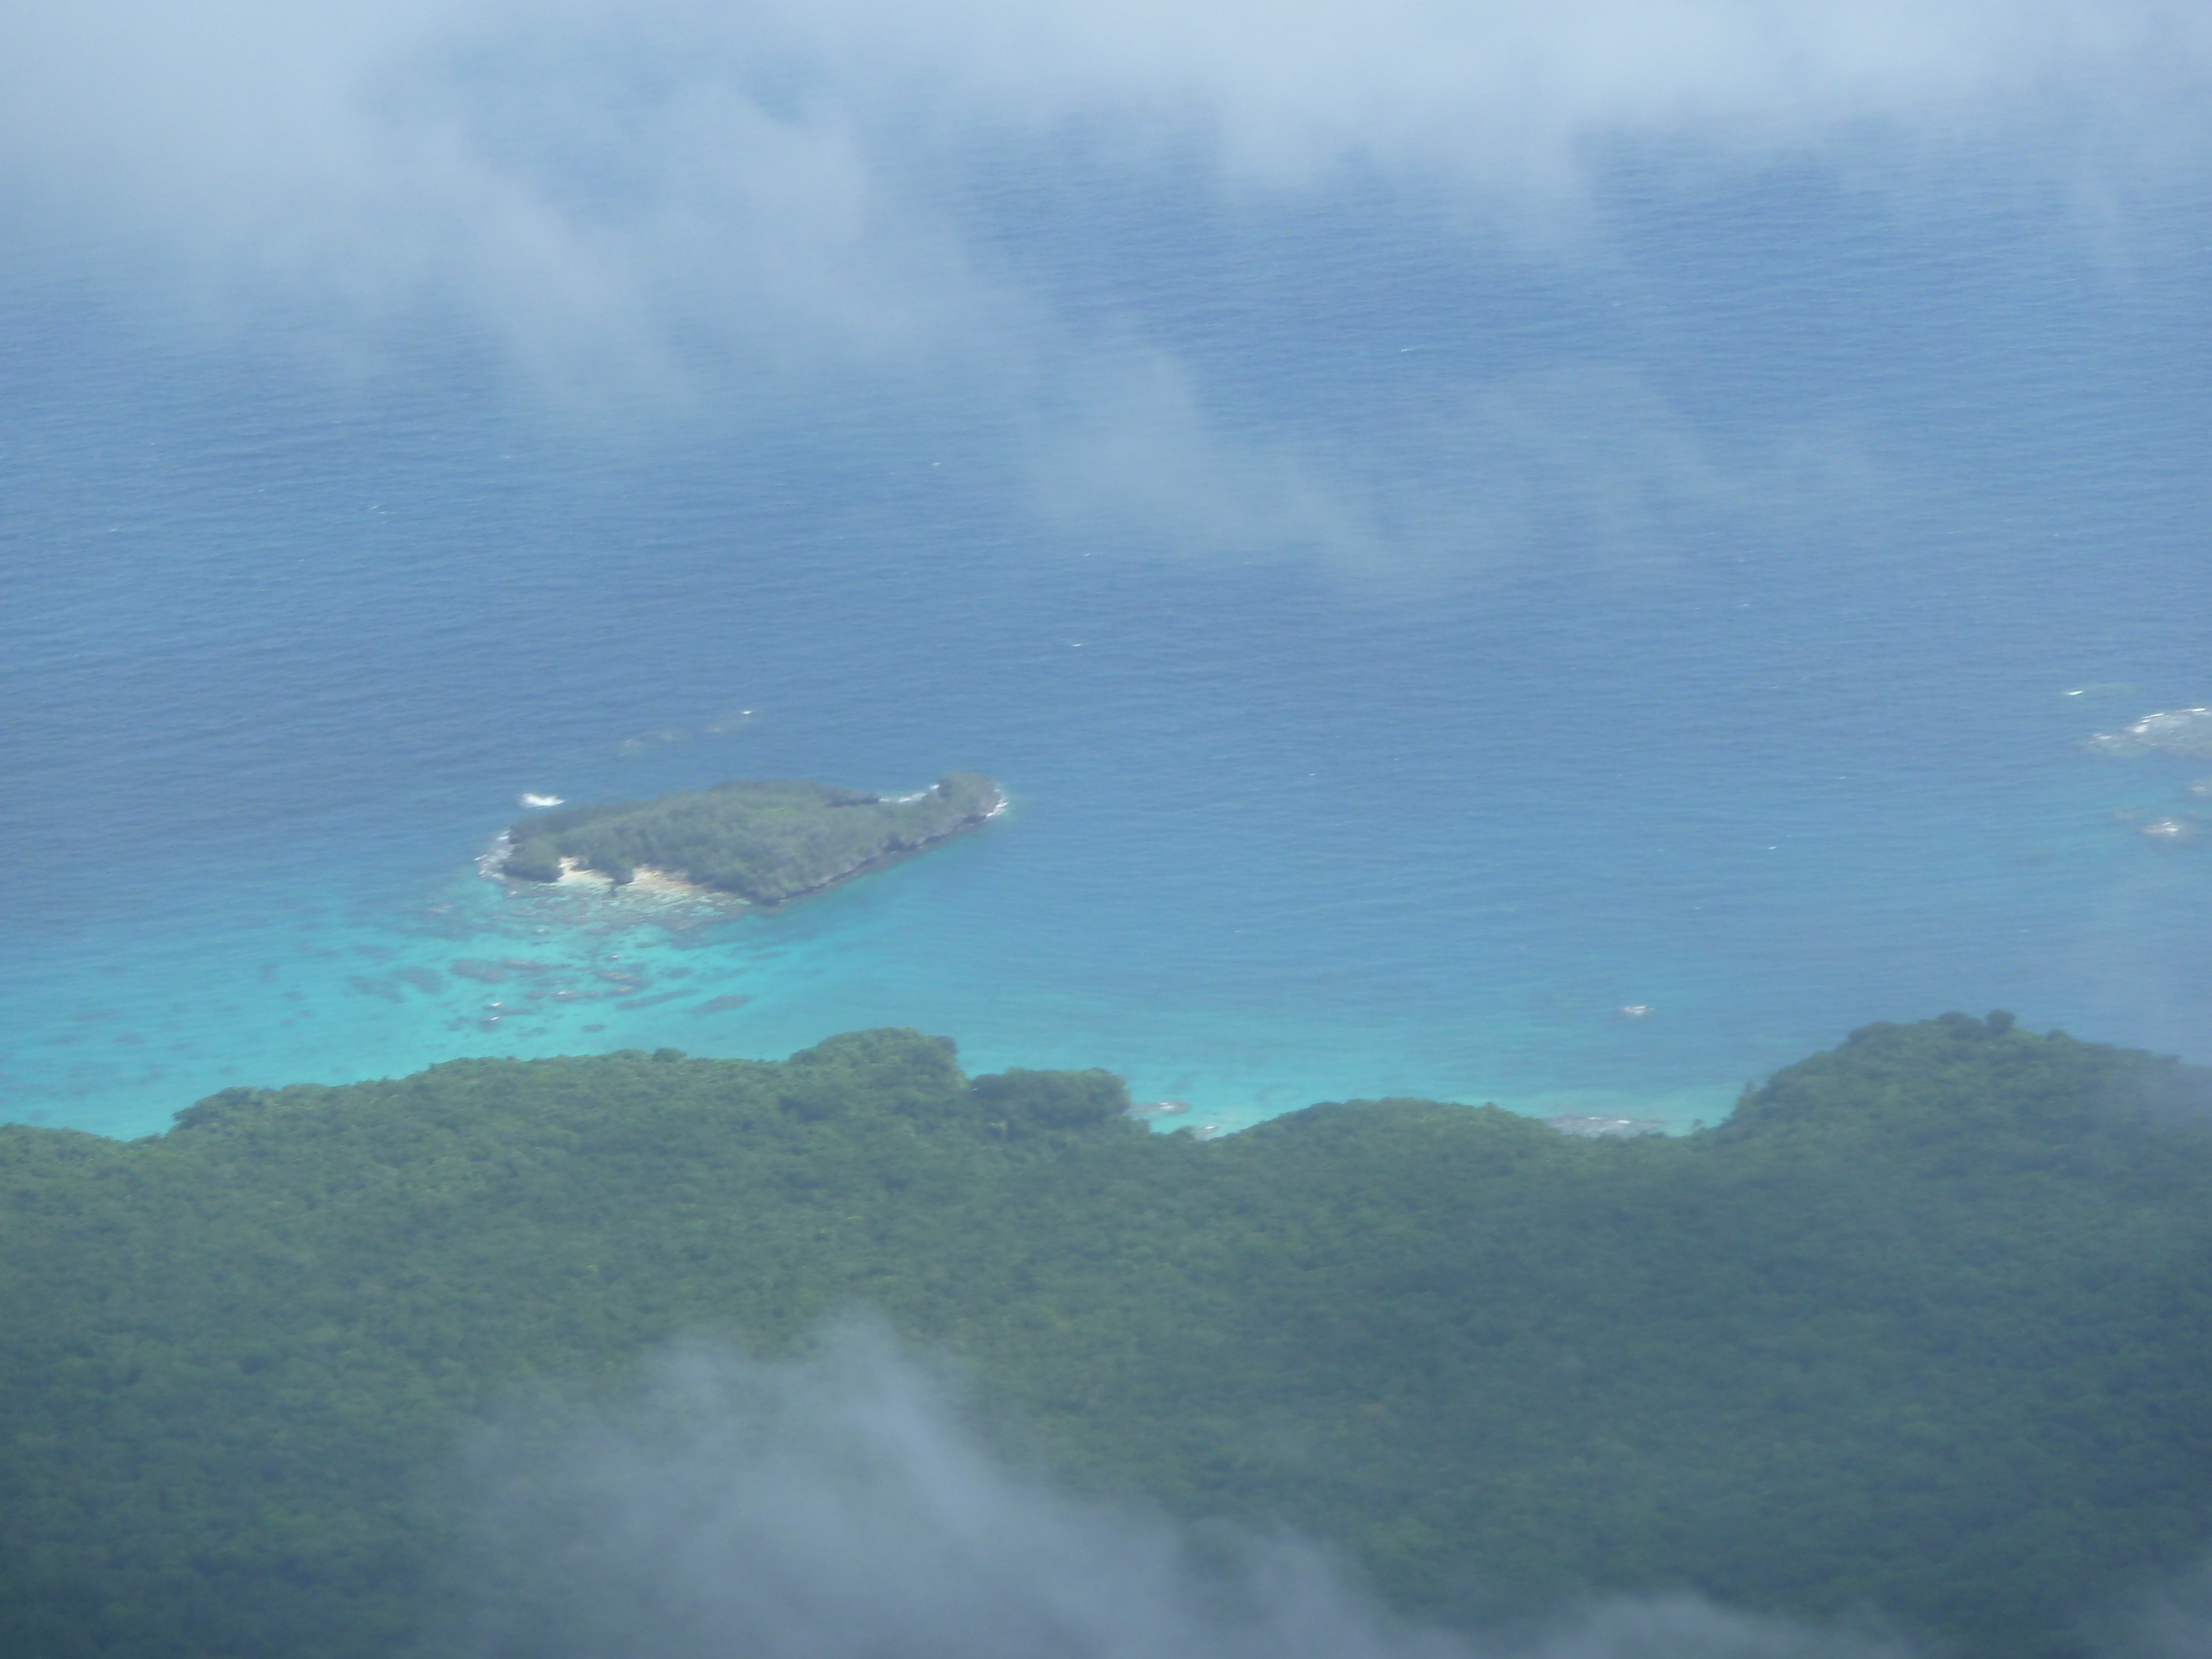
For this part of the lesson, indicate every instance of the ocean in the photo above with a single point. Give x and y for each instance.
(1459, 644)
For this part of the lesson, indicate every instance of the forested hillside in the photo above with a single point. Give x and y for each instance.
(1922, 1333)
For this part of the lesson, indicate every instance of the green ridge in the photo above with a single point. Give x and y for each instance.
(1921, 1334)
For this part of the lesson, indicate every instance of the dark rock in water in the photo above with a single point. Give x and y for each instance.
(721, 1004)
(423, 979)
(647, 1002)
(374, 988)
(654, 739)
(490, 972)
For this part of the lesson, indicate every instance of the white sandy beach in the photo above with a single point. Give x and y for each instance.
(645, 882)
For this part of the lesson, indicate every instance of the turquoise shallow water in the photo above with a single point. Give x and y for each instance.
(1649, 713)
(1227, 968)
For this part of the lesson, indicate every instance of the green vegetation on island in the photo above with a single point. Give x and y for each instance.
(763, 842)
(1919, 1336)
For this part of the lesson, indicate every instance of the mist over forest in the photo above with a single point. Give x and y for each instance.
(855, 1354)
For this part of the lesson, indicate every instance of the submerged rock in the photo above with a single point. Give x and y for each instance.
(2168, 732)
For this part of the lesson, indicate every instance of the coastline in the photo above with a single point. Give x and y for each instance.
(645, 881)
(880, 861)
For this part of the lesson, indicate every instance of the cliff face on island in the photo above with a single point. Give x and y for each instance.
(764, 842)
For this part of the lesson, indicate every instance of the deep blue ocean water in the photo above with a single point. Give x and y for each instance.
(1724, 612)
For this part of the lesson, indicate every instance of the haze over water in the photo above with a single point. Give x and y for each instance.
(1427, 580)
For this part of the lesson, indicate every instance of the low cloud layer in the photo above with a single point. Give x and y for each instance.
(641, 173)
(838, 1509)
(964, 213)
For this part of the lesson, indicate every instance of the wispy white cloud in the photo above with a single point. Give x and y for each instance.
(778, 165)
(1588, 461)
(840, 1507)
(2173, 1622)
(805, 198)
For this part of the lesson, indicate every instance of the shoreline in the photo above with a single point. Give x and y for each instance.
(647, 882)
(644, 879)
(880, 861)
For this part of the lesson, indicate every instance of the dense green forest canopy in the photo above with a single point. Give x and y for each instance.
(764, 842)
(1921, 1334)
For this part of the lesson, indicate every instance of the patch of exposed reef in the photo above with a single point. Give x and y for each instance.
(2183, 733)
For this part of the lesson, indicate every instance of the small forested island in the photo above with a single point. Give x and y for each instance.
(764, 843)
(1916, 1341)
